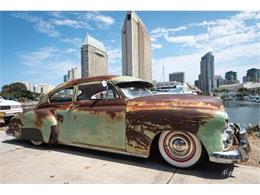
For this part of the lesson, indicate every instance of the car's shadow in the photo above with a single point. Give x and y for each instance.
(3, 124)
(205, 169)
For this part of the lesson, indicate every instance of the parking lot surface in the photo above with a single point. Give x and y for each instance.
(23, 163)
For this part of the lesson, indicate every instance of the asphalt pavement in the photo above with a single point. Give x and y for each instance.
(23, 163)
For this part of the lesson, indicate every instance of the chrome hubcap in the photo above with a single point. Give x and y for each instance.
(179, 146)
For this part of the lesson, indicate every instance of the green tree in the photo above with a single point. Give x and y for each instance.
(16, 91)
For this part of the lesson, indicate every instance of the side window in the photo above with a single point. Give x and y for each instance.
(64, 95)
(95, 90)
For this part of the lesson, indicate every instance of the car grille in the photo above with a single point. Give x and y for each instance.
(5, 107)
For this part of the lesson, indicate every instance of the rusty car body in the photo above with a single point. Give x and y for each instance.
(99, 113)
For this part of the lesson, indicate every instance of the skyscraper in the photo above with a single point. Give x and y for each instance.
(42, 88)
(252, 75)
(73, 73)
(231, 77)
(207, 75)
(94, 58)
(136, 48)
(219, 81)
(177, 76)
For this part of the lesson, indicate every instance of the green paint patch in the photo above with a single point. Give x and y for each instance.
(211, 133)
(98, 129)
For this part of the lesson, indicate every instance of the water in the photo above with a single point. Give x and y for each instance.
(243, 112)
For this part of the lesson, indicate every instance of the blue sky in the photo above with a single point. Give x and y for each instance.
(40, 47)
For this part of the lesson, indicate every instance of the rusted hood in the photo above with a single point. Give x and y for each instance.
(158, 102)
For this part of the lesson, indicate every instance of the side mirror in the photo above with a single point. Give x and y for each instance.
(104, 84)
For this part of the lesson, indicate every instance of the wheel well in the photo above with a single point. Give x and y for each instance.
(204, 154)
(154, 145)
(31, 134)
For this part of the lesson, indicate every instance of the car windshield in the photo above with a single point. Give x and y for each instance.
(136, 89)
(133, 92)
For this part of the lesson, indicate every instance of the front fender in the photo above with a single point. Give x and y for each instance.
(210, 134)
(41, 119)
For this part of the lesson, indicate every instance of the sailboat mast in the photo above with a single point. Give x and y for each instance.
(163, 73)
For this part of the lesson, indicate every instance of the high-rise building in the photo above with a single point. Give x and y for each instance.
(65, 78)
(207, 75)
(252, 75)
(94, 58)
(231, 78)
(219, 81)
(177, 76)
(73, 73)
(136, 48)
(196, 83)
(42, 88)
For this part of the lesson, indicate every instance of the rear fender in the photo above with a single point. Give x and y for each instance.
(42, 120)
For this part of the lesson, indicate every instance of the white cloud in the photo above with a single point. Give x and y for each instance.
(56, 14)
(114, 55)
(101, 20)
(156, 46)
(76, 20)
(48, 63)
(41, 25)
(70, 23)
(105, 19)
(160, 31)
(238, 51)
(71, 50)
(35, 58)
(153, 39)
(219, 33)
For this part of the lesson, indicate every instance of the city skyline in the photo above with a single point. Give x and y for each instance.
(50, 42)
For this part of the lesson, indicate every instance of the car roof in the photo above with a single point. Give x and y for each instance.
(117, 79)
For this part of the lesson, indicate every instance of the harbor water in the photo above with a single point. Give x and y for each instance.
(243, 112)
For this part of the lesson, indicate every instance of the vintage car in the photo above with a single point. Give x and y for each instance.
(120, 114)
(9, 108)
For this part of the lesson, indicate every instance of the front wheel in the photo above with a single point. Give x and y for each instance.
(180, 149)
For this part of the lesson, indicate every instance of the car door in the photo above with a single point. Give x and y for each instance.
(61, 102)
(98, 116)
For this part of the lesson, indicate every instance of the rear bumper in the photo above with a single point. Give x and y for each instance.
(238, 155)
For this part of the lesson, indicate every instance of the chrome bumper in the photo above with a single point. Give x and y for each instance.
(231, 156)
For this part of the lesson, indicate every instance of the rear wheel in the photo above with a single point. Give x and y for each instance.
(36, 143)
(180, 149)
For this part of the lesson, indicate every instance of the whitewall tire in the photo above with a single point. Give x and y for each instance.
(36, 143)
(180, 149)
